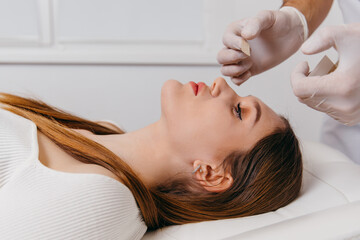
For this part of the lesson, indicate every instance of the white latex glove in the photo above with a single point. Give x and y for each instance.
(338, 93)
(275, 35)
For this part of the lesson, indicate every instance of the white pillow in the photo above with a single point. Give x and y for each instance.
(330, 180)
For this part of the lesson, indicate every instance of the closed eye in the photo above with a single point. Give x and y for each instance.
(238, 111)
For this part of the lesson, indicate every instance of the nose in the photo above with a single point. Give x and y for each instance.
(218, 86)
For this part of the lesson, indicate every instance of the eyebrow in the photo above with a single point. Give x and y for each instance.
(258, 112)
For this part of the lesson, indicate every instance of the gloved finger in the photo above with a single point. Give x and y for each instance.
(343, 115)
(232, 41)
(230, 56)
(318, 104)
(332, 114)
(336, 118)
(298, 75)
(253, 27)
(348, 119)
(347, 113)
(321, 40)
(234, 70)
(341, 118)
(308, 87)
(349, 123)
(242, 78)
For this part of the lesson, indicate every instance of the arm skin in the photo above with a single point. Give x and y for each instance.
(315, 11)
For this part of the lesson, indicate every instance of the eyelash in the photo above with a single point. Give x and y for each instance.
(238, 111)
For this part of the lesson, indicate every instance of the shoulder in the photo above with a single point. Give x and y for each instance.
(52, 156)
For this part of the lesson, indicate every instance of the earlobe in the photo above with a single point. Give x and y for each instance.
(221, 184)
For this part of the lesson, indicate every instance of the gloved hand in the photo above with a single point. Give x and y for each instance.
(338, 93)
(275, 35)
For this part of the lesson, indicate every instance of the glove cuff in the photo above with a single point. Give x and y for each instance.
(301, 16)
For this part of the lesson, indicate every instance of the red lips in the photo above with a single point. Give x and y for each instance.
(197, 87)
(194, 87)
(200, 86)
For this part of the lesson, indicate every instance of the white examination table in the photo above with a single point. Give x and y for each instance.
(328, 207)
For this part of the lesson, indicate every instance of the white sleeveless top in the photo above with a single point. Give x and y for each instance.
(37, 202)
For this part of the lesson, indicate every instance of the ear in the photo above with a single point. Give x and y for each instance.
(212, 178)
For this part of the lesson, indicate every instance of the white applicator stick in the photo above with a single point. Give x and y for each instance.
(245, 47)
(325, 66)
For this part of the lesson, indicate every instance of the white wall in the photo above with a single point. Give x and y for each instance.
(124, 89)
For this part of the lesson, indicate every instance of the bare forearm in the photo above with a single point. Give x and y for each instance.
(315, 11)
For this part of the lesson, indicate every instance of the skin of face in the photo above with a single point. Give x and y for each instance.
(205, 128)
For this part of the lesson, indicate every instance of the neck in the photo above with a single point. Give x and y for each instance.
(146, 151)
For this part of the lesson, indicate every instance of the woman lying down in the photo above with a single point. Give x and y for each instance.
(211, 155)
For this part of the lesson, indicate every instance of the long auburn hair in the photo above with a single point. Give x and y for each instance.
(266, 178)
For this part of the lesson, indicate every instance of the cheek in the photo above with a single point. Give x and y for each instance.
(223, 133)
(201, 134)
(197, 129)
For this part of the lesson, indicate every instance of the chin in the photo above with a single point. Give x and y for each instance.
(170, 93)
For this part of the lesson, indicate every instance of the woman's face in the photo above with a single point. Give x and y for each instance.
(205, 123)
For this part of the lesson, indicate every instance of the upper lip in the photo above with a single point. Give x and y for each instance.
(197, 87)
(194, 86)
